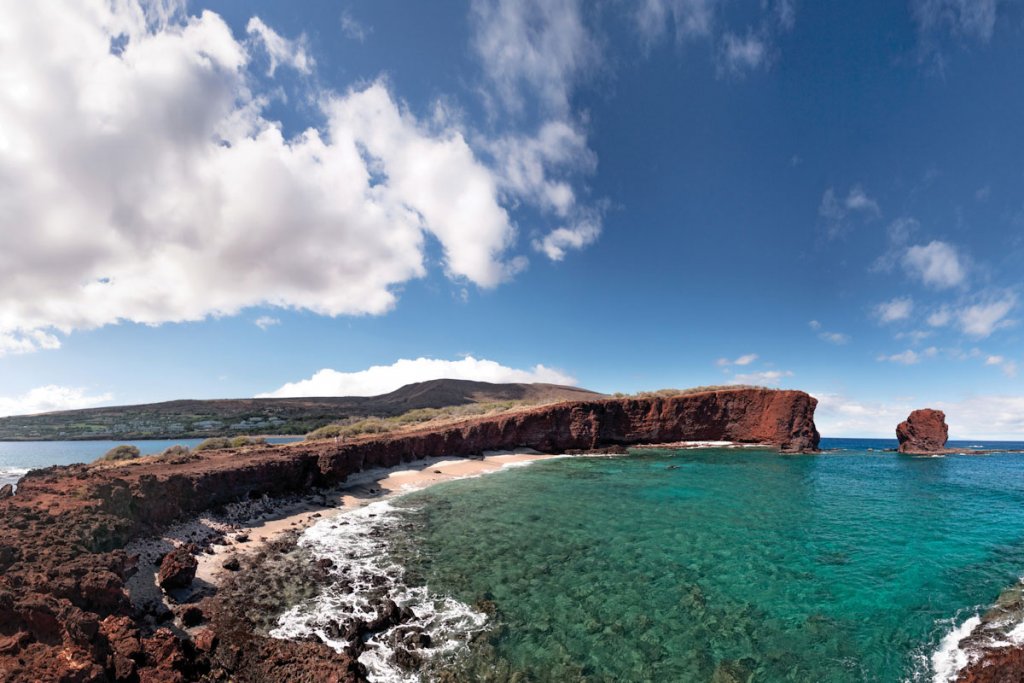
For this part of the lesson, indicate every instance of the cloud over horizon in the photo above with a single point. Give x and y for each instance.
(382, 379)
(156, 189)
(50, 398)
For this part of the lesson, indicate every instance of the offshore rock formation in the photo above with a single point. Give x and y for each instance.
(64, 611)
(924, 432)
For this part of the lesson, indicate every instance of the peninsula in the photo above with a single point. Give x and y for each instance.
(65, 612)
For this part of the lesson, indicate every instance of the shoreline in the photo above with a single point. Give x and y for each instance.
(249, 528)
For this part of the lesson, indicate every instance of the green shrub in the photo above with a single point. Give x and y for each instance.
(240, 441)
(214, 444)
(122, 452)
(176, 451)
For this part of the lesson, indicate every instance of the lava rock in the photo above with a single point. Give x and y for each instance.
(178, 569)
(923, 432)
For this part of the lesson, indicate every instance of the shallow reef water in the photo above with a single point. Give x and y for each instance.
(712, 565)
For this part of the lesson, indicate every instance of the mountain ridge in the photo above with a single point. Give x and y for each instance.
(197, 418)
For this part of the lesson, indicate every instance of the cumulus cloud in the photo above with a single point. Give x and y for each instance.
(769, 378)
(840, 416)
(745, 359)
(280, 50)
(937, 264)
(908, 357)
(896, 309)
(982, 319)
(538, 51)
(940, 317)
(741, 54)
(836, 211)
(353, 28)
(49, 398)
(543, 46)
(381, 379)
(265, 321)
(152, 187)
(974, 417)
(837, 338)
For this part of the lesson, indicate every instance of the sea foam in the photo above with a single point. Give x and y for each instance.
(357, 543)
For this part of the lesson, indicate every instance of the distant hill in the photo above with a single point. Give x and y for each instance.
(228, 417)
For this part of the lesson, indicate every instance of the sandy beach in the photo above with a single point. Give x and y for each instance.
(245, 528)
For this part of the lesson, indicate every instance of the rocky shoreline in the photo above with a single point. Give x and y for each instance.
(65, 612)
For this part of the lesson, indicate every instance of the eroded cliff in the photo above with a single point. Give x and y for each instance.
(64, 612)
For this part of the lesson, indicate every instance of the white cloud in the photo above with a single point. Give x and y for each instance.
(354, 29)
(265, 321)
(941, 317)
(280, 50)
(840, 416)
(936, 264)
(576, 236)
(742, 54)
(982, 319)
(49, 398)
(837, 338)
(688, 18)
(745, 359)
(771, 378)
(539, 50)
(899, 308)
(971, 18)
(835, 212)
(543, 45)
(151, 187)
(908, 357)
(858, 200)
(976, 417)
(994, 360)
(26, 341)
(381, 379)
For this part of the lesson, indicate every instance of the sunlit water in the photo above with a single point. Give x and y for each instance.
(708, 565)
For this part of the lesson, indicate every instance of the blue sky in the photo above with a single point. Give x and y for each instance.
(222, 199)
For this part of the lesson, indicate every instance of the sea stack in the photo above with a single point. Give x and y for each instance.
(924, 432)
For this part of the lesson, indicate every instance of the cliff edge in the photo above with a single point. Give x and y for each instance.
(64, 610)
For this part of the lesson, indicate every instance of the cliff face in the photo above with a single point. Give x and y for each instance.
(64, 614)
(923, 432)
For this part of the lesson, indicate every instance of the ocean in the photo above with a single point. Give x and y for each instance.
(699, 565)
(18, 457)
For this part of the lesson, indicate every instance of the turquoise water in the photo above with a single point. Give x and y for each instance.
(720, 565)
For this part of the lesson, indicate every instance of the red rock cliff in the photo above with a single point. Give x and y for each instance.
(64, 614)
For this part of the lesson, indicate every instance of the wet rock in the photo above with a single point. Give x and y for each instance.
(177, 569)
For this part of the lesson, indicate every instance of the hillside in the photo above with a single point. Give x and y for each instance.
(226, 417)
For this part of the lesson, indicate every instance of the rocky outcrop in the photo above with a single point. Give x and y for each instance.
(177, 569)
(64, 613)
(924, 432)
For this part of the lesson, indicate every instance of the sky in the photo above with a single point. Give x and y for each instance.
(223, 199)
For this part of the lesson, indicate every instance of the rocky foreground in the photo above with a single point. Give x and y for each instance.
(64, 610)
